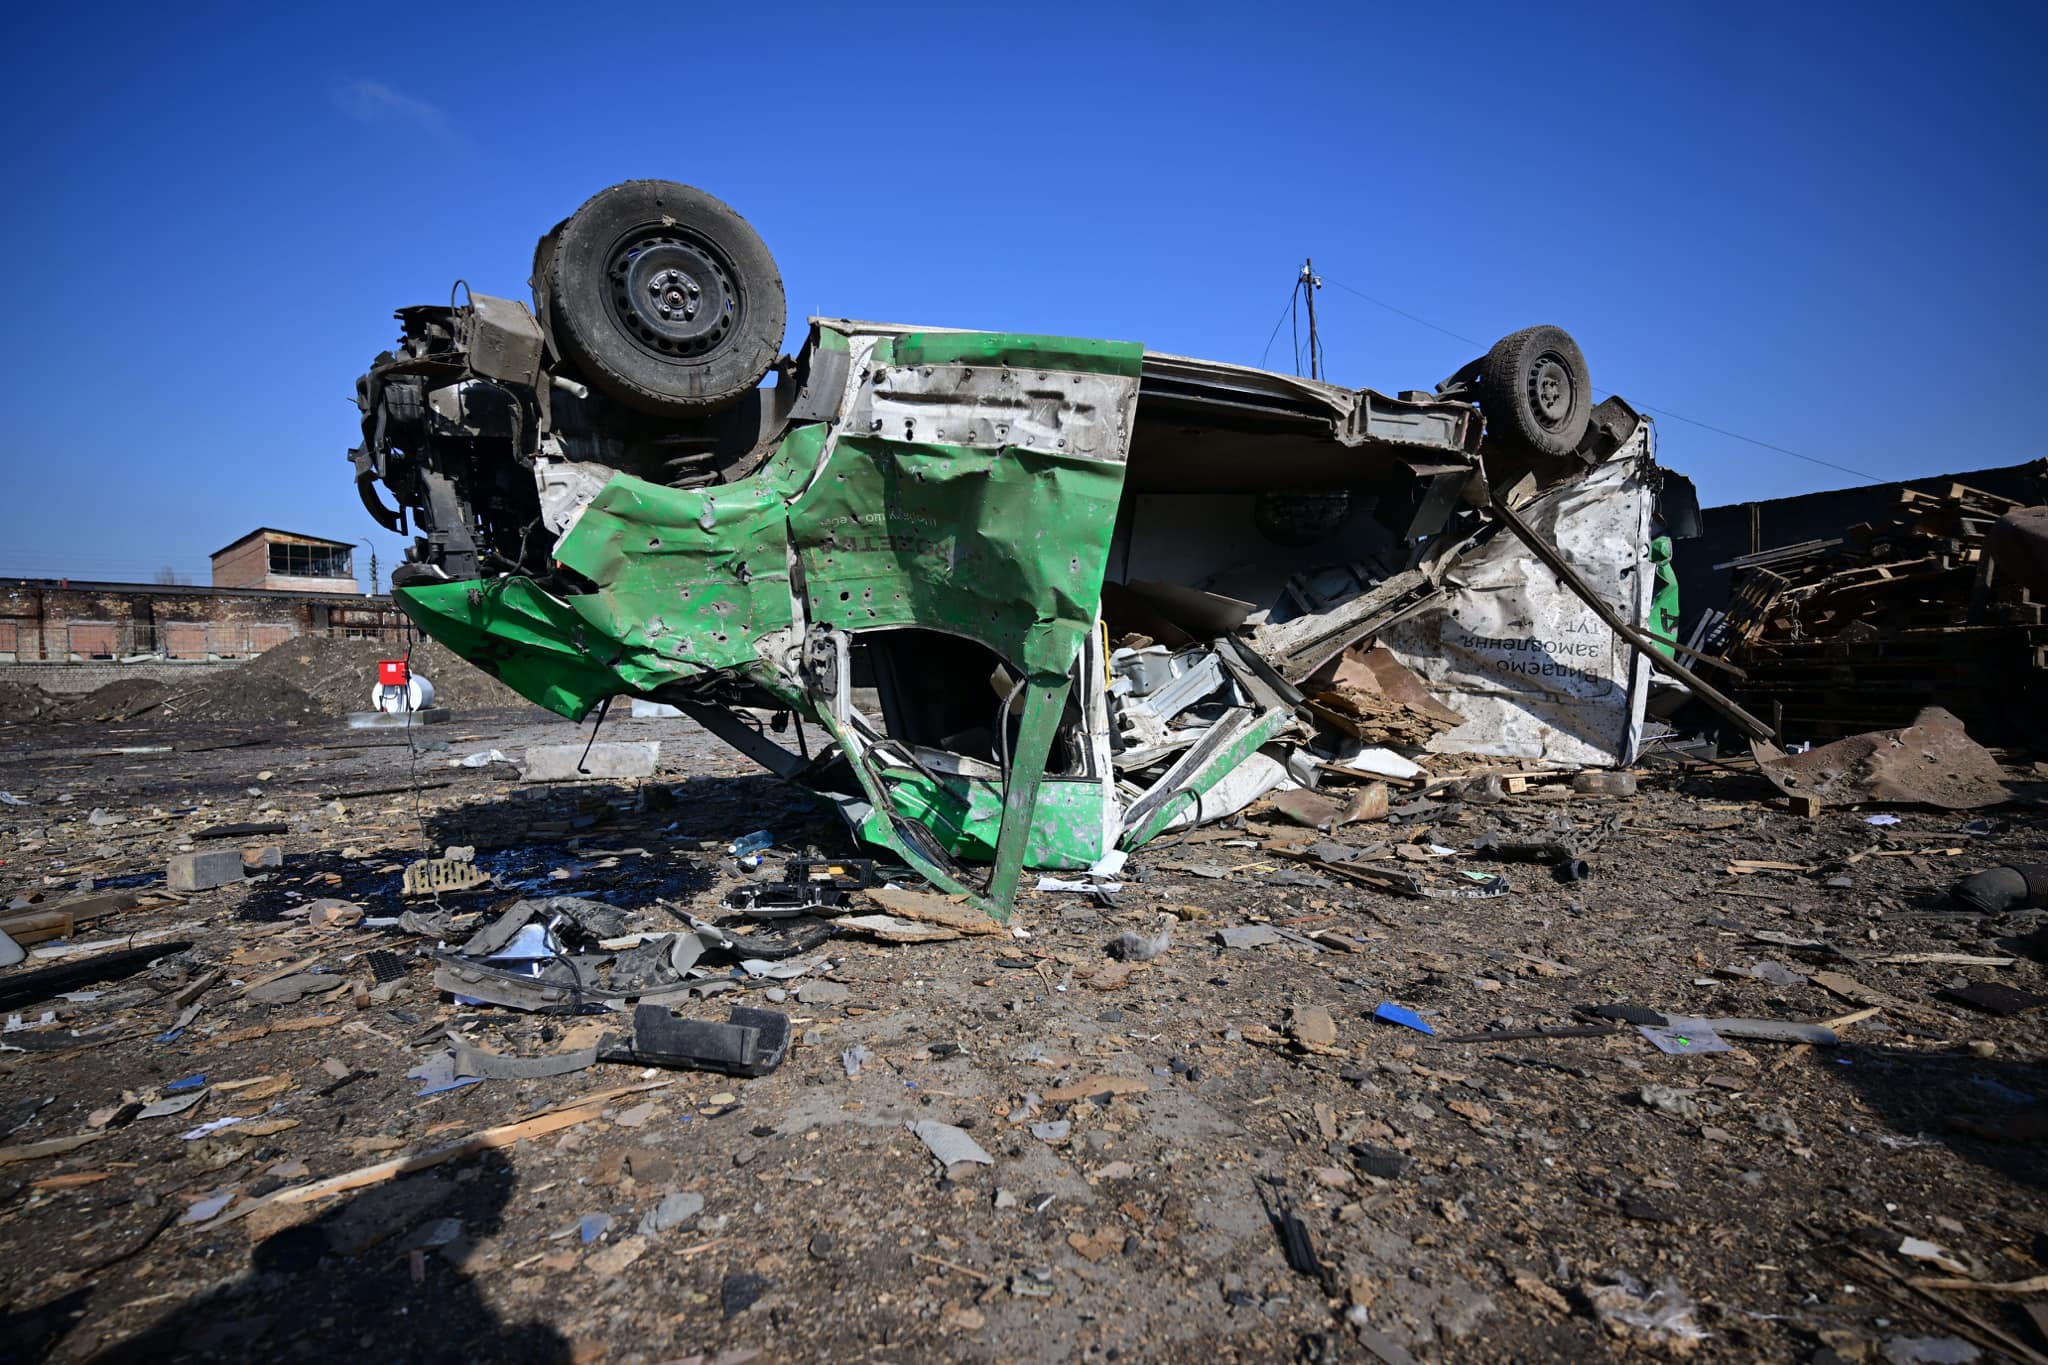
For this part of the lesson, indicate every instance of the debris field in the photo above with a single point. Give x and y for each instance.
(1688, 1073)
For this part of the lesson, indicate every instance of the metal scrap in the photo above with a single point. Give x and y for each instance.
(1932, 762)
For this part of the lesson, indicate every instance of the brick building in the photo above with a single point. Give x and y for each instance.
(285, 561)
(59, 620)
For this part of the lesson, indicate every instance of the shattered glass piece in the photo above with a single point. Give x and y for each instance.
(674, 1210)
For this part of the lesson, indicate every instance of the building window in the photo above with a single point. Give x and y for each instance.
(311, 561)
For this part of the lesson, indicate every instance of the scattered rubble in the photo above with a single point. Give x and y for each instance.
(1442, 1054)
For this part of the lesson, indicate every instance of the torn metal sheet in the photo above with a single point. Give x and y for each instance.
(1536, 676)
(1932, 762)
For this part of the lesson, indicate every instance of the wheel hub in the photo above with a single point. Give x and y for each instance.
(1551, 392)
(675, 294)
(672, 294)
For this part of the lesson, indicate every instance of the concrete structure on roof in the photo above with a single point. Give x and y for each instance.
(285, 561)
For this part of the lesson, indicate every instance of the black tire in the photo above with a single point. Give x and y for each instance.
(663, 297)
(1535, 390)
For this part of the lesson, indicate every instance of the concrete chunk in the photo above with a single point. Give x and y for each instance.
(567, 763)
(263, 855)
(201, 871)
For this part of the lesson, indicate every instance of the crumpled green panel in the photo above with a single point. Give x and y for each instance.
(1084, 355)
(534, 643)
(1004, 546)
(965, 815)
(687, 580)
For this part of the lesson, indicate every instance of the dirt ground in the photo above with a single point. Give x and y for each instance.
(1516, 1198)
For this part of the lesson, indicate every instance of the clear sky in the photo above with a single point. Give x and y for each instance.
(1816, 226)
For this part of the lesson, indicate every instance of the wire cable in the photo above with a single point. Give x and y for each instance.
(1274, 335)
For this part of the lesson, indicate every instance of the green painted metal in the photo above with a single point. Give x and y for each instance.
(1007, 547)
(1663, 623)
(532, 642)
(964, 813)
(1044, 699)
(1082, 355)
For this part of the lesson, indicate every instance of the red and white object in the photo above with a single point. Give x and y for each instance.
(399, 689)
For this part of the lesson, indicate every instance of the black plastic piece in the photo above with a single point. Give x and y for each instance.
(841, 874)
(806, 884)
(385, 966)
(22, 988)
(1625, 1014)
(750, 1043)
(2004, 888)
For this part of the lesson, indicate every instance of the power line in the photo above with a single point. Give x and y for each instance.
(1294, 325)
(1662, 412)
(1738, 436)
(1402, 312)
(1285, 309)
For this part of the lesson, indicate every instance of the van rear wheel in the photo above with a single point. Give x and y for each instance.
(1535, 390)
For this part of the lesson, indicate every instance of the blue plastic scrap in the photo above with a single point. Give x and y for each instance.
(189, 1083)
(1402, 1015)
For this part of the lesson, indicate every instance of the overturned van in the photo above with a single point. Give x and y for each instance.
(1047, 598)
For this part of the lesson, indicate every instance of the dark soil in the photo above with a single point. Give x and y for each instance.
(285, 687)
(1461, 1200)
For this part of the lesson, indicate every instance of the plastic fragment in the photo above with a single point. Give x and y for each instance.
(1663, 1316)
(1402, 1015)
(437, 1075)
(947, 1144)
(210, 1207)
(1682, 1042)
(206, 1129)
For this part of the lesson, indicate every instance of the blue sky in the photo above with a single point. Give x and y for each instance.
(1816, 226)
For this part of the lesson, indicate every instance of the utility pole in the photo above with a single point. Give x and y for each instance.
(373, 566)
(1310, 282)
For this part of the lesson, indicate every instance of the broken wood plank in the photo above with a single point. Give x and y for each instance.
(2037, 1284)
(566, 1115)
(37, 923)
(35, 1151)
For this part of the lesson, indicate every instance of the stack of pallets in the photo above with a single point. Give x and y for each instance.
(1841, 636)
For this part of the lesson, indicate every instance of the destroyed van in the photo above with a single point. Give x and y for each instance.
(1043, 598)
